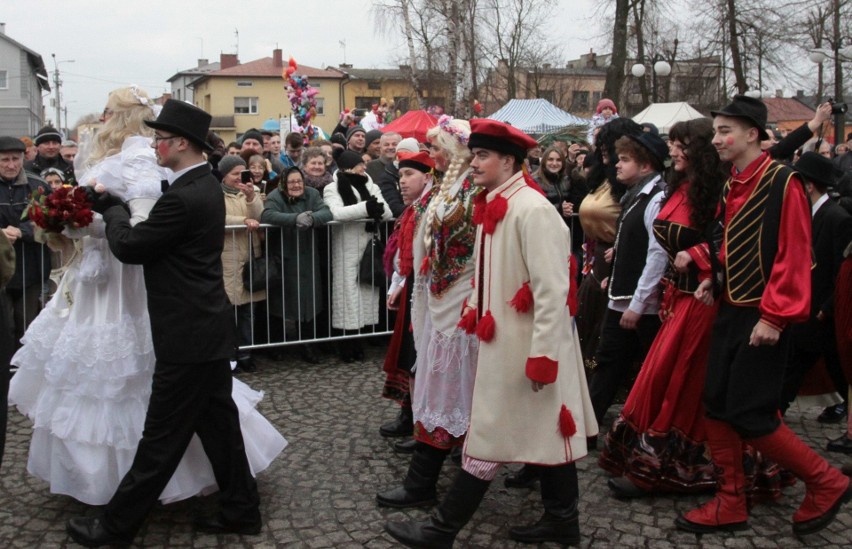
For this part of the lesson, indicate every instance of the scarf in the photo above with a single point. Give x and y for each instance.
(318, 183)
(229, 190)
(348, 184)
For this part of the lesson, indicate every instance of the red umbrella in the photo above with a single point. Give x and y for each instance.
(412, 124)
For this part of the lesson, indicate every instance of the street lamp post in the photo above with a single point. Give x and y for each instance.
(660, 68)
(57, 84)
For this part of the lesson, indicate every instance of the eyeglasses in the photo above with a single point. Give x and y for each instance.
(107, 112)
(158, 138)
(295, 181)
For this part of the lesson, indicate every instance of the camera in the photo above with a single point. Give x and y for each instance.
(359, 113)
(837, 107)
(245, 176)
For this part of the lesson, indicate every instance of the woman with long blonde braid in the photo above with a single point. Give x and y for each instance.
(446, 355)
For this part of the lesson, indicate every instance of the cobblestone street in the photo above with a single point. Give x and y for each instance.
(320, 492)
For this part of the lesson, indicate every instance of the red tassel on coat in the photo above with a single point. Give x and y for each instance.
(523, 300)
(479, 205)
(566, 422)
(468, 321)
(424, 266)
(485, 327)
(494, 213)
(572, 286)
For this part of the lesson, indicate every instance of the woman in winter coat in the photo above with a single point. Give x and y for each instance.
(352, 196)
(243, 206)
(297, 209)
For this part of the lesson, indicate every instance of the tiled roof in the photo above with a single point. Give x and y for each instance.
(780, 109)
(196, 71)
(265, 67)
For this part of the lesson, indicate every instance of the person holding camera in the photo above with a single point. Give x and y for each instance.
(243, 206)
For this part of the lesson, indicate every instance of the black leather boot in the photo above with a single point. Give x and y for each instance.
(418, 488)
(560, 522)
(525, 478)
(439, 532)
(401, 426)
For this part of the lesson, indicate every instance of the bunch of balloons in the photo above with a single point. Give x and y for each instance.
(302, 99)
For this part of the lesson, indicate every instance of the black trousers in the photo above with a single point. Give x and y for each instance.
(617, 351)
(743, 383)
(186, 399)
(808, 343)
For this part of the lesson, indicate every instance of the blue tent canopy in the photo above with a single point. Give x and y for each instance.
(536, 116)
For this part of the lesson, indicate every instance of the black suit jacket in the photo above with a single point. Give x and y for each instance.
(832, 231)
(180, 248)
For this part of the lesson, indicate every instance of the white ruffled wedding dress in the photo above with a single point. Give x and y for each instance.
(85, 368)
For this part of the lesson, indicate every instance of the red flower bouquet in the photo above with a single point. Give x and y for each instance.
(64, 207)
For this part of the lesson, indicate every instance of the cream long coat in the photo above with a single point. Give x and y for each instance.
(509, 422)
(236, 250)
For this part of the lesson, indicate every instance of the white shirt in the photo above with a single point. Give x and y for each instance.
(174, 175)
(822, 200)
(646, 298)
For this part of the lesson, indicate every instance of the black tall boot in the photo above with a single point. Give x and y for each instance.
(560, 522)
(401, 426)
(418, 488)
(525, 478)
(447, 520)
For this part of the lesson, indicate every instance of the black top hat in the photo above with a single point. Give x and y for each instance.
(184, 120)
(750, 109)
(817, 169)
(655, 145)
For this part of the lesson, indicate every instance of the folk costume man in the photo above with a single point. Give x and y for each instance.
(530, 400)
(638, 263)
(766, 283)
(180, 249)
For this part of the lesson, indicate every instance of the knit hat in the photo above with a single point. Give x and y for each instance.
(420, 161)
(346, 160)
(11, 144)
(338, 139)
(604, 103)
(252, 134)
(52, 171)
(353, 130)
(371, 136)
(408, 144)
(46, 134)
(500, 137)
(229, 162)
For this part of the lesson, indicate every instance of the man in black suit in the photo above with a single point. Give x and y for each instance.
(180, 247)
(832, 231)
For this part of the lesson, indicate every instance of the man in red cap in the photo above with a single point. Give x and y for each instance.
(530, 400)
(766, 287)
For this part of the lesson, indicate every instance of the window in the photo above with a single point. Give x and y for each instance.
(596, 98)
(244, 83)
(580, 101)
(548, 95)
(4, 80)
(245, 105)
(401, 104)
(320, 106)
(362, 102)
(374, 85)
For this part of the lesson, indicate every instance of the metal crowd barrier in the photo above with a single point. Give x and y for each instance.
(273, 328)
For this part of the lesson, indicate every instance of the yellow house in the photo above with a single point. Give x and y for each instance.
(365, 87)
(241, 96)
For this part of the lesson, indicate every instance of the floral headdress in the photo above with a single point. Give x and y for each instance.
(444, 123)
(134, 89)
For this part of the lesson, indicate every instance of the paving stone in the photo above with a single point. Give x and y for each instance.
(321, 491)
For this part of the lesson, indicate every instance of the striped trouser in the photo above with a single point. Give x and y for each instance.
(483, 470)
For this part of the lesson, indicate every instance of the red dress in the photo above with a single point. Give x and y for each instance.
(658, 439)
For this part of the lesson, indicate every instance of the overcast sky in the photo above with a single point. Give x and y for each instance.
(144, 42)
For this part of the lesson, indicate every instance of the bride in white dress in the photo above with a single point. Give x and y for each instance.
(85, 368)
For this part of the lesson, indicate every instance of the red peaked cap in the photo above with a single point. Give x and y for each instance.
(500, 137)
(420, 161)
